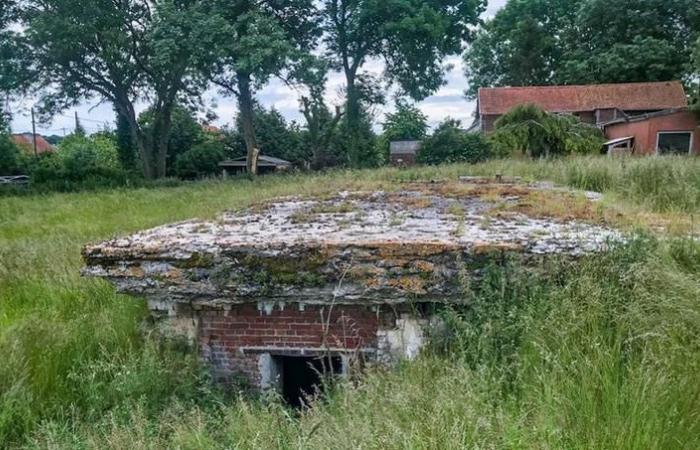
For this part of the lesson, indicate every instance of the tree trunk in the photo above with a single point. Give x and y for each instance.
(352, 117)
(163, 119)
(245, 106)
(127, 111)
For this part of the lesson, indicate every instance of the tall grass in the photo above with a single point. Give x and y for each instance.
(602, 354)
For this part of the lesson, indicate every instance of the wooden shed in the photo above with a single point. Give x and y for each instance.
(266, 164)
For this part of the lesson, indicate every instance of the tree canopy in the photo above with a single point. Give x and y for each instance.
(530, 131)
(122, 52)
(541, 42)
(411, 37)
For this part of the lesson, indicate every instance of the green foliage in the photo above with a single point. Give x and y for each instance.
(79, 160)
(185, 131)
(412, 38)
(201, 160)
(128, 155)
(598, 354)
(407, 122)
(274, 135)
(450, 144)
(356, 147)
(539, 43)
(531, 131)
(125, 53)
(10, 157)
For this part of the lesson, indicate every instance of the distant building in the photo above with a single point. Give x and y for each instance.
(669, 132)
(595, 104)
(25, 142)
(403, 153)
(266, 164)
(636, 118)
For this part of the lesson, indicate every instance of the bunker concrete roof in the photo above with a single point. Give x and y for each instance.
(375, 247)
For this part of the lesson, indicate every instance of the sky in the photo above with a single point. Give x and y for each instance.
(449, 101)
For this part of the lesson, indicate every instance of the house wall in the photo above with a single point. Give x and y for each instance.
(645, 132)
(402, 159)
(237, 343)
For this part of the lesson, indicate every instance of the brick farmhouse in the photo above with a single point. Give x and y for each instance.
(639, 118)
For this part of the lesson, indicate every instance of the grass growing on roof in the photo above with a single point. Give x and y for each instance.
(601, 355)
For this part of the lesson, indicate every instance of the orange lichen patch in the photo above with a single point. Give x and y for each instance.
(410, 284)
(392, 250)
(174, 274)
(362, 271)
(424, 266)
(485, 248)
(136, 271)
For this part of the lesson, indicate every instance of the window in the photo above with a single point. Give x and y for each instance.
(674, 142)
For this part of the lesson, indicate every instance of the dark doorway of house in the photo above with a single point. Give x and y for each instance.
(301, 376)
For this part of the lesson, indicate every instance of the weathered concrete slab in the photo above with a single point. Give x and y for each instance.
(363, 247)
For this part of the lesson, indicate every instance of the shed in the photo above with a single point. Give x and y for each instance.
(266, 164)
(673, 131)
(403, 153)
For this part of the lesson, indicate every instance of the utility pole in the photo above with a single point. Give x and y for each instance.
(36, 155)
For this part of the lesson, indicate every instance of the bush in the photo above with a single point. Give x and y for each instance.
(79, 162)
(10, 158)
(407, 123)
(201, 160)
(449, 144)
(531, 131)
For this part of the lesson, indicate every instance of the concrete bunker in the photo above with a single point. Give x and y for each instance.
(279, 292)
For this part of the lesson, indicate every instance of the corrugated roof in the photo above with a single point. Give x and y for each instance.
(625, 96)
(263, 160)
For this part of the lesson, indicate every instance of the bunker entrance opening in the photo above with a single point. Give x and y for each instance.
(301, 377)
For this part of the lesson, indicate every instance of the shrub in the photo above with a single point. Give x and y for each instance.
(201, 160)
(407, 123)
(531, 131)
(10, 158)
(449, 144)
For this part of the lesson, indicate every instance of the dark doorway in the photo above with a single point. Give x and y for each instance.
(301, 376)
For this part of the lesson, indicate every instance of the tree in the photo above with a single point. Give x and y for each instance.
(541, 42)
(321, 123)
(531, 131)
(411, 37)
(695, 100)
(125, 144)
(201, 160)
(14, 67)
(9, 153)
(407, 122)
(185, 131)
(123, 52)
(279, 138)
(450, 144)
(265, 37)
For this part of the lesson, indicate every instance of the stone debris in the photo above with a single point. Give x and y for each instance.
(355, 247)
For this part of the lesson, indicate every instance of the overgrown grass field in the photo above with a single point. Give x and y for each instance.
(602, 354)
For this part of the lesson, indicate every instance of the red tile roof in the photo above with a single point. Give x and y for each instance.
(625, 96)
(24, 140)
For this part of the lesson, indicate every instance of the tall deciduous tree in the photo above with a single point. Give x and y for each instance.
(321, 122)
(265, 37)
(406, 123)
(540, 42)
(123, 52)
(411, 37)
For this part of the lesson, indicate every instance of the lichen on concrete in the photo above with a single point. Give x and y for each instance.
(355, 247)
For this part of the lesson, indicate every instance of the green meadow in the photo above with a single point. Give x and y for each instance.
(601, 354)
